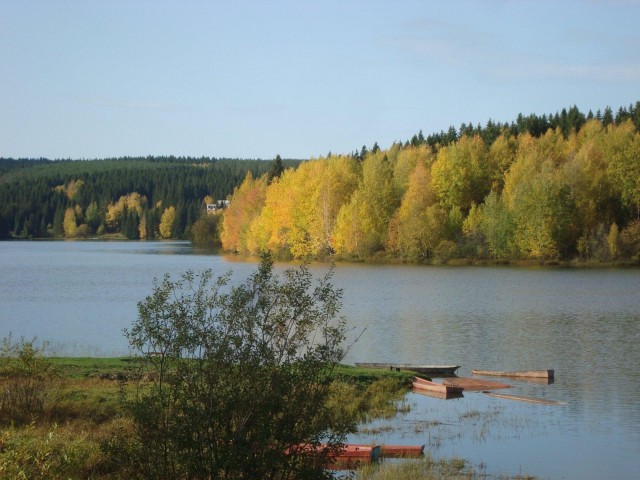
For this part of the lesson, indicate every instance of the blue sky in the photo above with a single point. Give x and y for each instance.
(252, 79)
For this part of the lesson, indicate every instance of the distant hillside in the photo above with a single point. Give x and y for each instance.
(114, 195)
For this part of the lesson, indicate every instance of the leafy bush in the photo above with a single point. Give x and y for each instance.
(27, 378)
(236, 377)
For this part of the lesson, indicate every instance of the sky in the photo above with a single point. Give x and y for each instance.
(298, 78)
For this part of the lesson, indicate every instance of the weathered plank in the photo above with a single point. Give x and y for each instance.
(475, 384)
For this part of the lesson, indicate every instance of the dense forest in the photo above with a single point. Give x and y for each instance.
(561, 186)
(558, 187)
(139, 198)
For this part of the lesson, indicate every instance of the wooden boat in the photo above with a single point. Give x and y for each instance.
(441, 396)
(352, 456)
(402, 451)
(474, 384)
(426, 369)
(422, 384)
(523, 374)
(349, 451)
(370, 452)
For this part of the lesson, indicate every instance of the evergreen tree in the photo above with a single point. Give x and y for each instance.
(276, 169)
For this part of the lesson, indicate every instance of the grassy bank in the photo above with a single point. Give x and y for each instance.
(75, 434)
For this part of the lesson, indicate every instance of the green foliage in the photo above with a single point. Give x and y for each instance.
(238, 376)
(204, 232)
(27, 380)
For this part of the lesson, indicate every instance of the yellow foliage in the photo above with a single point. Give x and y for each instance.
(167, 222)
(244, 206)
(69, 224)
(115, 211)
(462, 173)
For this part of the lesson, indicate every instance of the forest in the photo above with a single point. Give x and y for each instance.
(551, 188)
(136, 198)
(563, 186)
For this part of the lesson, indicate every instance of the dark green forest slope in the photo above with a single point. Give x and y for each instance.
(41, 198)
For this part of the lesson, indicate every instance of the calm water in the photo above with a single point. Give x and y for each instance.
(585, 324)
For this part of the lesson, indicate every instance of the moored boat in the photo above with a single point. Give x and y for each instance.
(348, 451)
(402, 451)
(439, 395)
(426, 369)
(516, 374)
(427, 385)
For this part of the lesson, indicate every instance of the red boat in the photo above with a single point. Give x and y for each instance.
(402, 451)
(348, 458)
(423, 384)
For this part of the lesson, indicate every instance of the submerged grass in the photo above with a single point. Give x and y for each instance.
(424, 469)
(429, 469)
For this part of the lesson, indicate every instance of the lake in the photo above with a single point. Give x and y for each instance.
(583, 323)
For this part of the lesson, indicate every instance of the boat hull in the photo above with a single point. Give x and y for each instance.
(402, 451)
(422, 384)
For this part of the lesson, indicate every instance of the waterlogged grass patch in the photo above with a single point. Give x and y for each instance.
(425, 469)
(384, 398)
(430, 469)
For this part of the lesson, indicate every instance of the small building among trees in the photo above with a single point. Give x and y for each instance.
(218, 205)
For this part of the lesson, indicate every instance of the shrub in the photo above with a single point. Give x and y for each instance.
(237, 377)
(28, 380)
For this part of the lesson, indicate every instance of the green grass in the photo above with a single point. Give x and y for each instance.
(366, 376)
(80, 367)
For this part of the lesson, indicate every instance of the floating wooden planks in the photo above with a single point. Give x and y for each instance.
(517, 374)
(474, 384)
(524, 399)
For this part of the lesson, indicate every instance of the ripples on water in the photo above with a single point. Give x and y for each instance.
(585, 324)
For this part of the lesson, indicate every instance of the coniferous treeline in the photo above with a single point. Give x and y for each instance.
(41, 198)
(566, 120)
(570, 191)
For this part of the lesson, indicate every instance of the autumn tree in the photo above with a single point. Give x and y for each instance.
(462, 173)
(622, 149)
(417, 226)
(337, 178)
(167, 222)
(361, 228)
(116, 214)
(538, 202)
(70, 224)
(244, 206)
